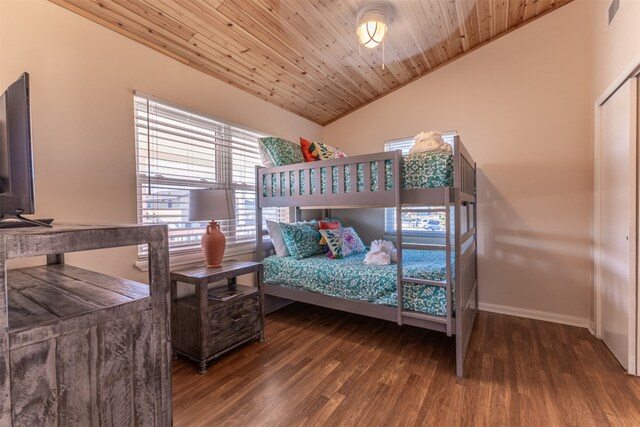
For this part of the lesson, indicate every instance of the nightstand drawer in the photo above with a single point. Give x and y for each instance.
(234, 323)
(234, 315)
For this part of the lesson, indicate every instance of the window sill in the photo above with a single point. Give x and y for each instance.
(196, 258)
(417, 233)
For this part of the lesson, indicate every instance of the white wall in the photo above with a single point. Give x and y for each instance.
(522, 107)
(616, 48)
(82, 77)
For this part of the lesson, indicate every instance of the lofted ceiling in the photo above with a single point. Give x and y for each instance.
(303, 55)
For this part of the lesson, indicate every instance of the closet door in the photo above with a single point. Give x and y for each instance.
(617, 224)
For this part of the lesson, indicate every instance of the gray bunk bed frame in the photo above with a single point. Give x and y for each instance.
(461, 244)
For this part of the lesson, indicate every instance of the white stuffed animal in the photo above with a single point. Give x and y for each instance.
(429, 141)
(380, 253)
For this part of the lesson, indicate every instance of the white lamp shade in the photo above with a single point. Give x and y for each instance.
(208, 204)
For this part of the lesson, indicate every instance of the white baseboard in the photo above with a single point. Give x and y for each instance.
(534, 314)
(592, 328)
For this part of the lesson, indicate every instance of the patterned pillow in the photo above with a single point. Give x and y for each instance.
(282, 152)
(301, 239)
(309, 150)
(328, 224)
(343, 242)
(328, 152)
(315, 150)
(339, 153)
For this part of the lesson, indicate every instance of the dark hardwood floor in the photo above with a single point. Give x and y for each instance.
(324, 367)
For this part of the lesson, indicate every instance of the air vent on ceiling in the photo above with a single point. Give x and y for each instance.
(613, 9)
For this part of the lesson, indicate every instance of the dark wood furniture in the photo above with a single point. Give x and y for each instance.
(79, 347)
(214, 321)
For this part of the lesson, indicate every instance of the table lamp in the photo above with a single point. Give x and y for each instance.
(209, 204)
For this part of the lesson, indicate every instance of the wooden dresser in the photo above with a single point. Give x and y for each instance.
(79, 347)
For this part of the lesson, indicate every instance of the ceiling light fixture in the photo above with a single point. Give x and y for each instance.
(372, 25)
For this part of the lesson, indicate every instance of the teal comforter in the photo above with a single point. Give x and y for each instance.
(350, 278)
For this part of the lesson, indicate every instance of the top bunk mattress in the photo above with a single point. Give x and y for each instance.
(350, 278)
(432, 169)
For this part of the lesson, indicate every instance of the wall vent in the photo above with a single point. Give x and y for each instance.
(613, 9)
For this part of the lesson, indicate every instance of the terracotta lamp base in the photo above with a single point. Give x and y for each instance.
(213, 244)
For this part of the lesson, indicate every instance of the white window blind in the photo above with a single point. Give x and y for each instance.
(421, 223)
(179, 150)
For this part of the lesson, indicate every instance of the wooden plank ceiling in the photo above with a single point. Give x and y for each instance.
(303, 55)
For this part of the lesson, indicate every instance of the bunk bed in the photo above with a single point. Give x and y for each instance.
(370, 181)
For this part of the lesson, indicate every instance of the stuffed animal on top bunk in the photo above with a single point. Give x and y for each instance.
(429, 141)
(382, 252)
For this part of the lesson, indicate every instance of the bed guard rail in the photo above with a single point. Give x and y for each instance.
(464, 171)
(368, 180)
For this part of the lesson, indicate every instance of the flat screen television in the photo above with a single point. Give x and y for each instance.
(16, 160)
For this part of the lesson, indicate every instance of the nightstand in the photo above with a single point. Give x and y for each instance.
(214, 321)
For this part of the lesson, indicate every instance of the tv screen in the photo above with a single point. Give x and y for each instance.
(16, 163)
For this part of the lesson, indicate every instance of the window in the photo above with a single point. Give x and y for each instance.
(179, 150)
(419, 223)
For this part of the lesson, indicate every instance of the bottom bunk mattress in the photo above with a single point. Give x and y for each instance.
(350, 278)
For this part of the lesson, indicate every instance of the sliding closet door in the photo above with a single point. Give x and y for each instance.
(617, 224)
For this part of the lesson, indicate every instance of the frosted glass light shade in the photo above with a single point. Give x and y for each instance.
(372, 27)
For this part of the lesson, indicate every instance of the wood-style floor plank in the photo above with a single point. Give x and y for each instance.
(323, 367)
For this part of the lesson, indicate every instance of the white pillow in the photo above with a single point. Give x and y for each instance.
(266, 160)
(276, 237)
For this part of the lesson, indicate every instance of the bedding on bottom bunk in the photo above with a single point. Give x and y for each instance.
(349, 278)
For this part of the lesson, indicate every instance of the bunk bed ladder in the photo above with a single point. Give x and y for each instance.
(259, 256)
(450, 199)
(447, 247)
(401, 279)
(447, 252)
(397, 184)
